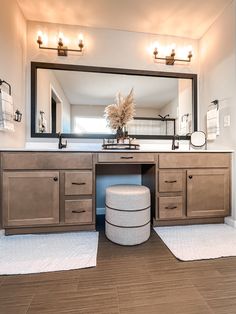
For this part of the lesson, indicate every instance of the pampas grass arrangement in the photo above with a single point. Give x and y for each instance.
(120, 113)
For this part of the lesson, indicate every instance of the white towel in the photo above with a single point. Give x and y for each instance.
(213, 124)
(6, 112)
(42, 123)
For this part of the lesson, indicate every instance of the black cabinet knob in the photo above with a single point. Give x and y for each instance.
(190, 177)
(55, 178)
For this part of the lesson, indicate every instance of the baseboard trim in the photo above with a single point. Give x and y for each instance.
(230, 221)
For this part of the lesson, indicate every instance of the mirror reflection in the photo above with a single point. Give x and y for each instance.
(74, 102)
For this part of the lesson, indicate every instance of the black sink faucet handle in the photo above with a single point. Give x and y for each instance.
(60, 144)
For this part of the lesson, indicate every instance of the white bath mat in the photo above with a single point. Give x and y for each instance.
(26, 254)
(198, 242)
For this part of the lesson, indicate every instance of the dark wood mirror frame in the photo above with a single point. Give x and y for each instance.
(82, 68)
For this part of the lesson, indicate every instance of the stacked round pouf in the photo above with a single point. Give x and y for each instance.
(127, 214)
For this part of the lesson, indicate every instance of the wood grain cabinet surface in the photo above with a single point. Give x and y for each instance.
(30, 198)
(170, 207)
(193, 188)
(46, 161)
(53, 191)
(78, 182)
(126, 157)
(78, 211)
(171, 181)
(208, 192)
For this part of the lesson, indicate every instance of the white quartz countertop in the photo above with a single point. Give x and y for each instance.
(100, 150)
(96, 147)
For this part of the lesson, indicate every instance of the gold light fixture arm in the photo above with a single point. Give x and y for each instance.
(62, 50)
(170, 60)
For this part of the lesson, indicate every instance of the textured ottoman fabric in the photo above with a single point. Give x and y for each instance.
(127, 197)
(127, 214)
(128, 218)
(128, 236)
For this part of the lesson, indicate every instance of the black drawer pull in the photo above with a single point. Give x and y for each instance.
(173, 181)
(126, 157)
(190, 177)
(78, 183)
(78, 211)
(55, 178)
(171, 207)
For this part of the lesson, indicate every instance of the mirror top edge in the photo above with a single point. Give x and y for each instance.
(110, 70)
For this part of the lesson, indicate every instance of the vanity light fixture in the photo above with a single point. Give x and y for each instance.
(62, 50)
(170, 59)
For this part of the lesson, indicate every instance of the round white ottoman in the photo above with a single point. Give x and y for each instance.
(127, 220)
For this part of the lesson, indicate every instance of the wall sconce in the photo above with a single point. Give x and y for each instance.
(62, 50)
(170, 59)
(17, 116)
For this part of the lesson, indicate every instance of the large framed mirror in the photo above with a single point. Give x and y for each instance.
(71, 99)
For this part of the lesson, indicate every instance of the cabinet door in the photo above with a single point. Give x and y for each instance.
(208, 193)
(30, 198)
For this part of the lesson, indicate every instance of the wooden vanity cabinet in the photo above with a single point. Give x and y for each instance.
(55, 191)
(30, 198)
(46, 192)
(193, 188)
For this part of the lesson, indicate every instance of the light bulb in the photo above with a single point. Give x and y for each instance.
(45, 39)
(173, 46)
(61, 35)
(40, 34)
(156, 45)
(81, 37)
(190, 48)
(40, 37)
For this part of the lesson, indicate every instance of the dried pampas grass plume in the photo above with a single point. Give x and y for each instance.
(120, 113)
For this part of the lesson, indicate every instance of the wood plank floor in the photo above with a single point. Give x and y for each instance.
(142, 279)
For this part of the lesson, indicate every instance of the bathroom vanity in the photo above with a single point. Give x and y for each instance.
(47, 191)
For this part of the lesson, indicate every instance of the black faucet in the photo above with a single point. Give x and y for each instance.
(175, 142)
(60, 144)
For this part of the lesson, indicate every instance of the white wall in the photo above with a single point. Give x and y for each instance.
(46, 81)
(104, 47)
(12, 65)
(217, 80)
(185, 107)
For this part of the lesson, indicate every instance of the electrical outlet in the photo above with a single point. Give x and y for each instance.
(226, 121)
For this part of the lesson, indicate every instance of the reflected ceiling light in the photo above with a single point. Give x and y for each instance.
(170, 58)
(62, 50)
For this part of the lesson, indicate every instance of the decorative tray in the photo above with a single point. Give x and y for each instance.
(120, 146)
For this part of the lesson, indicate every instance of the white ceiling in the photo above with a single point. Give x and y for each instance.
(83, 88)
(185, 18)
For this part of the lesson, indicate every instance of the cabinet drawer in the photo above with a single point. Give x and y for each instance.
(78, 183)
(126, 157)
(170, 181)
(45, 160)
(194, 160)
(78, 211)
(170, 207)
